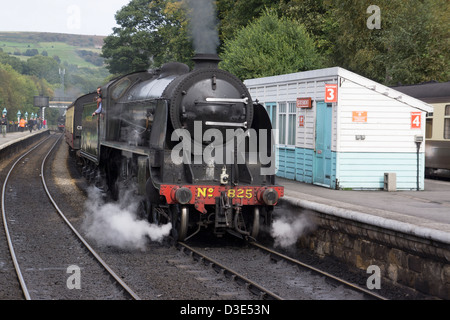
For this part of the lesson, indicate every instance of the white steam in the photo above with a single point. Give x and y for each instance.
(116, 224)
(287, 230)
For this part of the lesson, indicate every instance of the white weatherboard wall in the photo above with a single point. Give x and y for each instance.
(362, 151)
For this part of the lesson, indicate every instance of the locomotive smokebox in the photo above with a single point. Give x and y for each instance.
(206, 60)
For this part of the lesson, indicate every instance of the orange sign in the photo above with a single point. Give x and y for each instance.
(331, 92)
(304, 103)
(359, 116)
(416, 120)
(301, 121)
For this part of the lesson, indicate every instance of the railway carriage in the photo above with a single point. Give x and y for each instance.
(437, 138)
(196, 146)
(73, 122)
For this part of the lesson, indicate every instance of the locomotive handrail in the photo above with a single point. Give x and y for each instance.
(227, 124)
(244, 100)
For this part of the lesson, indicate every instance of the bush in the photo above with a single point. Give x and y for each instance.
(270, 46)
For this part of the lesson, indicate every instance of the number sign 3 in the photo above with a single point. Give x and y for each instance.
(331, 91)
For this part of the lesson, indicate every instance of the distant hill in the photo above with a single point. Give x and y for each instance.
(80, 50)
(77, 55)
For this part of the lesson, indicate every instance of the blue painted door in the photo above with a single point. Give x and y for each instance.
(322, 151)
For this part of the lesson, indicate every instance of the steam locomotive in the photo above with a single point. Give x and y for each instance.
(197, 147)
(61, 123)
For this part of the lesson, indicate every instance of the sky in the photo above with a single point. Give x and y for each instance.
(89, 17)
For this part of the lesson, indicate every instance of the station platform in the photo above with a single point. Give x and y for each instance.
(420, 213)
(14, 137)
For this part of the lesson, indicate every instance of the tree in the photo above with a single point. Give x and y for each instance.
(315, 16)
(410, 47)
(176, 45)
(270, 46)
(237, 14)
(151, 33)
(43, 67)
(12, 61)
(136, 42)
(17, 91)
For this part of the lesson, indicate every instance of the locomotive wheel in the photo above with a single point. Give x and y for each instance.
(256, 223)
(180, 222)
(183, 223)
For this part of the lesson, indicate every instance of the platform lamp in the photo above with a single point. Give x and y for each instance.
(5, 111)
(18, 115)
(418, 139)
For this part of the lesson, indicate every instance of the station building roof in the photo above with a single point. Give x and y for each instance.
(393, 93)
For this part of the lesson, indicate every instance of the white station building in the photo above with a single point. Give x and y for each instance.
(340, 130)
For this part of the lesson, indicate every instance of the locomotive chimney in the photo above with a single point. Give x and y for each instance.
(206, 60)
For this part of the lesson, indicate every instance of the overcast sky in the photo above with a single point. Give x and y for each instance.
(91, 17)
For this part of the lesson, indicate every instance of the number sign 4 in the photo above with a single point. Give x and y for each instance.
(416, 120)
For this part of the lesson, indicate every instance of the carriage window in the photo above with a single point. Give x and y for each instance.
(447, 122)
(429, 126)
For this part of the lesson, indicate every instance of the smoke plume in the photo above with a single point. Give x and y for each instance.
(203, 25)
(115, 224)
(286, 230)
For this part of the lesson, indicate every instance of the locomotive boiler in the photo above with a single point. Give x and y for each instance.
(194, 143)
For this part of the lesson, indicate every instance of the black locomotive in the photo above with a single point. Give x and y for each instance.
(197, 147)
(61, 123)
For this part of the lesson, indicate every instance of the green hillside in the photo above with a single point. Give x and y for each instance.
(31, 65)
(43, 55)
(67, 47)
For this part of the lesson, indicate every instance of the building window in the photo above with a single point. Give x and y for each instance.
(292, 115)
(282, 123)
(286, 121)
(447, 122)
(272, 112)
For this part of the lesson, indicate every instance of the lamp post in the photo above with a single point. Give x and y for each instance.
(5, 111)
(18, 119)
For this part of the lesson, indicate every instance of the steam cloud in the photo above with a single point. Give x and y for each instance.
(203, 25)
(287, 230)
(115, 224)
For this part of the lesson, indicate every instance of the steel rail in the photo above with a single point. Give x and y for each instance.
(80, 237)
(326, 274)
(251, 286)
(5, 224)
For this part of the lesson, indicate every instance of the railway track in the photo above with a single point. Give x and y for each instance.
(277, 285)
(252, 286)
(36, 265)
(327, 275)
(168, 261)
